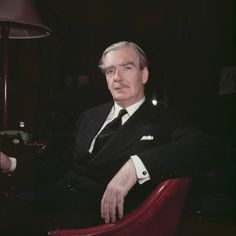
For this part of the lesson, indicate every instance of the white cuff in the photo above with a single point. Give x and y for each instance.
(141, 170)
(13, 164)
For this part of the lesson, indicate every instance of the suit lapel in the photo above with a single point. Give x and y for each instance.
(96, 118)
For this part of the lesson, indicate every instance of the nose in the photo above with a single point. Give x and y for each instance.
(117, 75)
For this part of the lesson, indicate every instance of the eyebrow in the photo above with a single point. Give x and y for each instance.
(122, 64)
(127, 63)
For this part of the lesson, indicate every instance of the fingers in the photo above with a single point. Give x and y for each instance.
(1, 160)
(112, 211)
(120, 207)
(112, 203)
(109, 206)
(105, 209)
(5, 162)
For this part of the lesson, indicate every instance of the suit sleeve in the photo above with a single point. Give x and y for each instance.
(188, 151)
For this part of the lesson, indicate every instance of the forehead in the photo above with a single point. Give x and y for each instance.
(121, 56)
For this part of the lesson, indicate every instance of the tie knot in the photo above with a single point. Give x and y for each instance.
(108, 131)
(121, 113)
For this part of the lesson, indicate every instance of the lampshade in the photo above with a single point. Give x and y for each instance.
(22, 20)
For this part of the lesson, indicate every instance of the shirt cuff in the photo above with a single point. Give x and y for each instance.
(141, 170)
(13, 164)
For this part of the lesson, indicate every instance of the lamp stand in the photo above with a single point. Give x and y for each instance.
(5, 35)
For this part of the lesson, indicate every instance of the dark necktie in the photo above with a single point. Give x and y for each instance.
(108, 131)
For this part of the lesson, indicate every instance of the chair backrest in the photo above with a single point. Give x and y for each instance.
(158, 215)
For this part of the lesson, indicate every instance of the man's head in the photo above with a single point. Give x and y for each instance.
(126, 69)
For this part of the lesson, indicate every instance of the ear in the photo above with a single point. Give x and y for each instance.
(145, 75)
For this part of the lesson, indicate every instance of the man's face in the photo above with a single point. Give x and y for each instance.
(124, 78)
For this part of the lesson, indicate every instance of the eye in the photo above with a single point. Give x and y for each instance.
(127, 67)
(110, 72)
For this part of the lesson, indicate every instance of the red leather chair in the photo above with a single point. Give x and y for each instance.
(158, 215)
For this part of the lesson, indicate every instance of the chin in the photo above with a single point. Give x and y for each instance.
(120, 97)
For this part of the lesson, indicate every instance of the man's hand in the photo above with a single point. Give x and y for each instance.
(113, 198)
(5, 162)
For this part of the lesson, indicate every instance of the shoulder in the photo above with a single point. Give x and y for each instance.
(170, 116)
(95, 111)
(171, 112)
(174, 114)
(98, 109)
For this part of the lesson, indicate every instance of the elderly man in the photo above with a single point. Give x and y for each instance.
(121, 151)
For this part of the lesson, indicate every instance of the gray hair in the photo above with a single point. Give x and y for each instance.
(143, 61)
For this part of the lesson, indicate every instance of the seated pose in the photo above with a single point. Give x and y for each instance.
(120, 152)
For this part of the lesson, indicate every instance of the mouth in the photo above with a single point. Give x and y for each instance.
(120, 87)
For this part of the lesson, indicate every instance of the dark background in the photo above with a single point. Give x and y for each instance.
(189, 44)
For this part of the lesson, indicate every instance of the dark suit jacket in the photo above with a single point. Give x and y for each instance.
(176, 150)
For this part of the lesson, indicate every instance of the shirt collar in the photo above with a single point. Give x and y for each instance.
(130, 109)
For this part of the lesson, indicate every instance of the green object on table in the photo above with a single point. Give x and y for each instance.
(26, 137)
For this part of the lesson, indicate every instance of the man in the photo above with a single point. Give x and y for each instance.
(149, 145)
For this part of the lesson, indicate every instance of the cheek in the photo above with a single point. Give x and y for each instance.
(108, 83)
(136, 85)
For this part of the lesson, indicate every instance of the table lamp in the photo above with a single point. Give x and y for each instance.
(18, 20)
